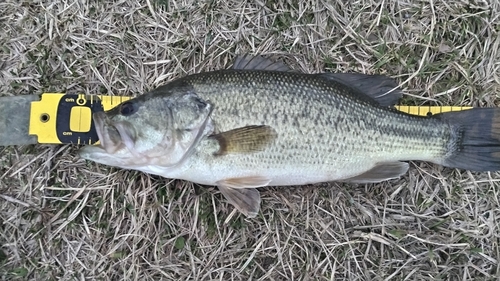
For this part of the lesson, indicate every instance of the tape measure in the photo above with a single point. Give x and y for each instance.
(59, 118)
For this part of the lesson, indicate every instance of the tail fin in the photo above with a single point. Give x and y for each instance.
(475, 139)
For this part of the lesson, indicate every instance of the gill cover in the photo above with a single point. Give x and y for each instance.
(191, 122)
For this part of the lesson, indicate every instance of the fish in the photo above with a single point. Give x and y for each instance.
(260, 123)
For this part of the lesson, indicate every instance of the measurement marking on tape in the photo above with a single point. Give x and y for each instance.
(429, 110)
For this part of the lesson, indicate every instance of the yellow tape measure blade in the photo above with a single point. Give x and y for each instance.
(429, 110)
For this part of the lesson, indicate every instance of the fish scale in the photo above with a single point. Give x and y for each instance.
(354, 128)
(261, 124)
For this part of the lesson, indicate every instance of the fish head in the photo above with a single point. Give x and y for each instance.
(159, 129)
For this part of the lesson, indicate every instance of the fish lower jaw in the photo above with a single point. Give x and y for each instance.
(166, 172)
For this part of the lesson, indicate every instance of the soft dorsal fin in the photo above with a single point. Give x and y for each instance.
(258, 63)
(376, 87)
(245, 139)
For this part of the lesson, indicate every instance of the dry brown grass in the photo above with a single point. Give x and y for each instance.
(62, 218)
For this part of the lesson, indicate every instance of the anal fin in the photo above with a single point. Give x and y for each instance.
(381, 172)
(242, 193)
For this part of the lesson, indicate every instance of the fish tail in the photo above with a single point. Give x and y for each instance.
(474, 142)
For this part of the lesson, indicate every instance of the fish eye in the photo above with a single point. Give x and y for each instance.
(128, 108)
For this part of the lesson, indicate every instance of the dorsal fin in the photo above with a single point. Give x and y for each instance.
(376, 87)
(258, 63)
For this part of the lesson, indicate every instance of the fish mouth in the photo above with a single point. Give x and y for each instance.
(113, 136)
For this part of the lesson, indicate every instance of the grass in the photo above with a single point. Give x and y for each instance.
(63, 218)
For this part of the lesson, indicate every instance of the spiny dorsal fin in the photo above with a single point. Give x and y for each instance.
(258, 63)
(374, 86)
(245, 139)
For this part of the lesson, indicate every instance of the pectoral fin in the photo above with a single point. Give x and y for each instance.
(242, 193)
(381, 172)
(245, 139)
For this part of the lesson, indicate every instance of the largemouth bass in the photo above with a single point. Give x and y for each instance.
(262, 124)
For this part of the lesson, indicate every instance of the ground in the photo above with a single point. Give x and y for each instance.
(62, 218)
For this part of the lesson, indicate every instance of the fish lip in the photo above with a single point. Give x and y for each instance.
(87, 152)
(99, 118)
(103, 126)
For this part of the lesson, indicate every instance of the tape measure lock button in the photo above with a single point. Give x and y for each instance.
(80, 120)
